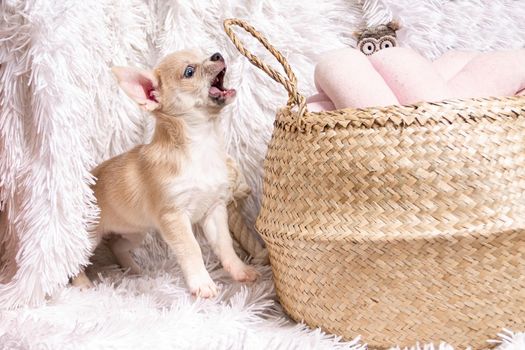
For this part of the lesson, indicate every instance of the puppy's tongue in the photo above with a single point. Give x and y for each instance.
(216, 92)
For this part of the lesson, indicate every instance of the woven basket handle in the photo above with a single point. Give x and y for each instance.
(289, 83)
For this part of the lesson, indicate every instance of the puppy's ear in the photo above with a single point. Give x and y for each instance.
(140, 85)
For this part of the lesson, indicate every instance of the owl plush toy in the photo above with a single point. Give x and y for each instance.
(371, 40)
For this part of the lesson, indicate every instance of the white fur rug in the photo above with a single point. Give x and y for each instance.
(61, 112)
(155, 311)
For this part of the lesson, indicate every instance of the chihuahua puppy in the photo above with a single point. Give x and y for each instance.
(183, 177)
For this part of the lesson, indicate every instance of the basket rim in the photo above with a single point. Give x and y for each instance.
(419, 114)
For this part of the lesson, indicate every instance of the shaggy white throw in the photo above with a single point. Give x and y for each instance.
(61, 113)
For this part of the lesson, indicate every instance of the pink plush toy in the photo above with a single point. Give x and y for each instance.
(348, 78)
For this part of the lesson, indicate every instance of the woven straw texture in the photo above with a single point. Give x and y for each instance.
(399, 224)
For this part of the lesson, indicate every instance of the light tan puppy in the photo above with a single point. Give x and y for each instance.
(179, 179)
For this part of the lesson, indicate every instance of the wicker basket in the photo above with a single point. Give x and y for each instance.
(399, 224)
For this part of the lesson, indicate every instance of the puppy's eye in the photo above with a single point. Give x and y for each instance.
(189, 71)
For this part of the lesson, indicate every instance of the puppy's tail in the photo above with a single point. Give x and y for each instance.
(246, 239)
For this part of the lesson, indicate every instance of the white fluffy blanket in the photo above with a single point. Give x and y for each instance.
(61, 113)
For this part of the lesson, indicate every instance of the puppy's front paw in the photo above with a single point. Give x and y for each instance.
(202, 286)
(242, 272)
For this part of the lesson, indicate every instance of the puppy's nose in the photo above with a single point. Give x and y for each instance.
(216, 57)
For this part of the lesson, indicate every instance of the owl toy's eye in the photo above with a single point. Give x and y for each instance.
(387, 42)
(368, 46)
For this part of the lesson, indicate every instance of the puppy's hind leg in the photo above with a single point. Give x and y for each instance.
(81, 281)
(121, 246)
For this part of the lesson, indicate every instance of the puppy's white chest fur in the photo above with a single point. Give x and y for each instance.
(203, 179)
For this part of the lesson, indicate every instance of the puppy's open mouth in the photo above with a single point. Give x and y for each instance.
(218, 92)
